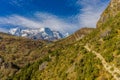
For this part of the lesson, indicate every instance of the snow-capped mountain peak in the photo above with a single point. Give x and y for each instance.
(39, 33)
(15, 31)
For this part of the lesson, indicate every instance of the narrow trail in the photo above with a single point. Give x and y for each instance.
(114, 71)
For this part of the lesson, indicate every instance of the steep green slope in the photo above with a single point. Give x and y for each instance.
(66, 62)
(72, 62)
(94, 57)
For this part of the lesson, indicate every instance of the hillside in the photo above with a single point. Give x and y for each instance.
(81, 33)
(96, 56)
(111, 11)
(16, 52)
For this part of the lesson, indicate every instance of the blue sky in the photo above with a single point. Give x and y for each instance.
(62, 15)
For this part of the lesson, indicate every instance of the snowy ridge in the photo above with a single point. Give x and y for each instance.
(39, 33)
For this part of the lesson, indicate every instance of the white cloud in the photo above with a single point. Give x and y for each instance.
(88, 17)
(18, 3)
(56, 23)
(43, 20)
(19, 21)
(90, 12)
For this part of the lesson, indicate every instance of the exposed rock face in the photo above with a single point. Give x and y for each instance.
(111, 11)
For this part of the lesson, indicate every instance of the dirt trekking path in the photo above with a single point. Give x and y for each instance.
(115, 72)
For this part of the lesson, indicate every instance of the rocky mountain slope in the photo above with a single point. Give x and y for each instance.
(39, 33)
(94, 57)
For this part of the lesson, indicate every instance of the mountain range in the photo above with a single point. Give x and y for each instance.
(38, 33)
(88, 54)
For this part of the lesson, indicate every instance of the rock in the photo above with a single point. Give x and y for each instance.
(105, 33)
(43, 66)
(1, 60)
